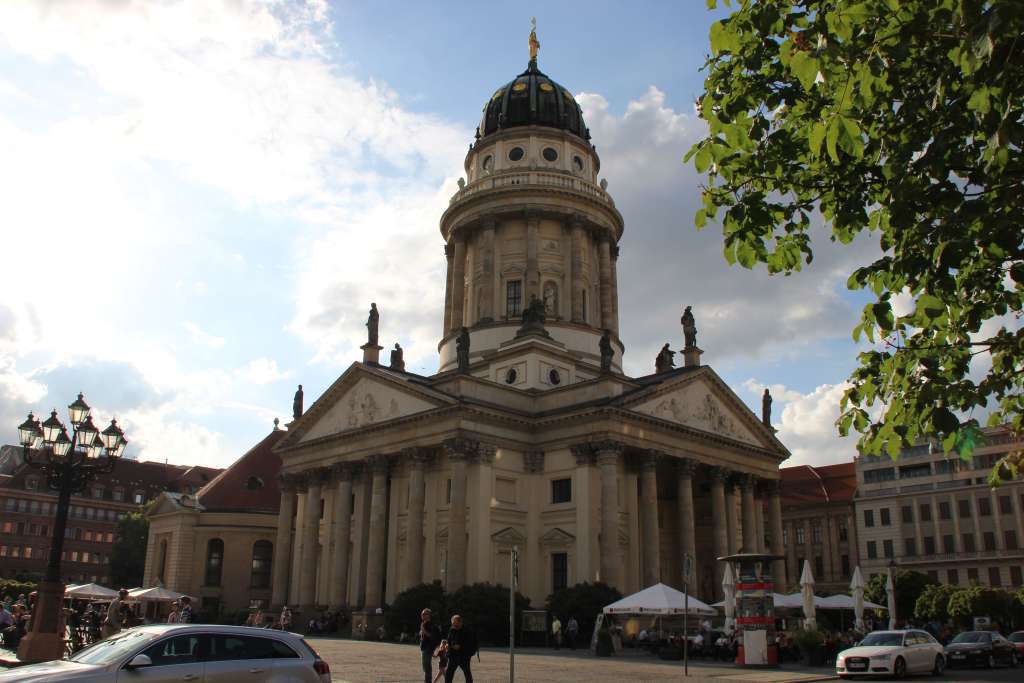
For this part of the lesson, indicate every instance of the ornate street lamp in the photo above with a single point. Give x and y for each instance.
(68, 463)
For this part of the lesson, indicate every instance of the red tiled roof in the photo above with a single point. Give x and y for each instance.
(250, 483)
(825, 484)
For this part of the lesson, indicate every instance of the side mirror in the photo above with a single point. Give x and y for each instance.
(139, 661)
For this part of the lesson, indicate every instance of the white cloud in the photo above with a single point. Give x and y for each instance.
(262, 371)
(200, 336)
(807, 425)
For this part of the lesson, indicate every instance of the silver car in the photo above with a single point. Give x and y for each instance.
(196, 653)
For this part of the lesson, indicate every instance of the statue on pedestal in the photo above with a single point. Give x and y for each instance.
(766, 407)
(297, 404)
(607, 352)
(665, 360)
(371, 326)
(689, 329)
(462, 349)
(397, 358)
(534, 316)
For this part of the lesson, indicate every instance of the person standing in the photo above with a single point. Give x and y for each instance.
(285, 621)
(172, 618)
(461, 646)
(572, 630)
(556, 632)
(430, 638)
(115, 620)
(185, 613)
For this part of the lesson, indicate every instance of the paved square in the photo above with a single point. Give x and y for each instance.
(362, 662)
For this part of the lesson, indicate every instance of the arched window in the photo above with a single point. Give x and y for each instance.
(262, 555)
(214, 561)
(162, 562)
(253, 483)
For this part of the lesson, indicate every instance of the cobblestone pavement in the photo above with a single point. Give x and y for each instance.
(361, 662)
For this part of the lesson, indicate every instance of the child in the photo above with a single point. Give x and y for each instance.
(442, 660)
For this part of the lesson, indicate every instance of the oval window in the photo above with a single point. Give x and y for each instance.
(511, 376)
(577, 163)
(516, 154)
(554, 377)
(488, 163)
(550, 154)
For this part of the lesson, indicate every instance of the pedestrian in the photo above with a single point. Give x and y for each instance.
(442, 655)
(462, 646)
(286, 618)
(556, 632)
(115, 619)
(185, 613)
(430, 639)
(172, 618)
(572, 629)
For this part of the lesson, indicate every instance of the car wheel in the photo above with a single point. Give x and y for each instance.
(940, 665)
(899, 668)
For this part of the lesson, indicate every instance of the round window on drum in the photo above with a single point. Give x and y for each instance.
(550, 154)
(488, 163)
(516, 154)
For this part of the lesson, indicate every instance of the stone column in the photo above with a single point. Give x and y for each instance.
(749, 515)
(338, 593)
(457, 451)
(615, 288)
(283, 545)
(577, 270)
(759, 531)
(449, 253)
(605, 264)
(719, 512)
(534, 582)
(609, 453)
(326, 571)
(584, 455)
(479, 552)
(310, 542)
(416, 461)
(487, 261)
(377, 552)
(730, 516)
(650, 536)
(532, 284)
(459, 283)
(775, 523)
(687, 536)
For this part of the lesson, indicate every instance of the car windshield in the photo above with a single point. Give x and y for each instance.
(883, 639)
(110, 650)
(971, 637)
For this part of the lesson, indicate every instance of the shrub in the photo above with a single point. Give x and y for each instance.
(583, 601)
(484, 610)
(404, 612)
(14, 588)
(807, 639)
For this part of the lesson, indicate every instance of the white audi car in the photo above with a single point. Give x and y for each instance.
(892, 653)
(194, 653)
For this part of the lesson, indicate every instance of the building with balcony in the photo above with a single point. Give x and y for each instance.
(937, 514)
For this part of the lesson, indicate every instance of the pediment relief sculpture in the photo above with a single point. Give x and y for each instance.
(696, 406)
(366, 403)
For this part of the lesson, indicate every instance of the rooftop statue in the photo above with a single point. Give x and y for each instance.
(534, 316)
(766, 407)
(297, 404)
(689, 329)
(462, 349)
(371, 326)
(665, 360)
(534, 43)
(397, 358)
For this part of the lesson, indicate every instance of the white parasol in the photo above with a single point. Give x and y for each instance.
(807, 591)
(890, 594)
(729, 593)
(90, 591)
(857, 588)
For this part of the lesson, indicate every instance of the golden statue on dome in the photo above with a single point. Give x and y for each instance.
(534, 43)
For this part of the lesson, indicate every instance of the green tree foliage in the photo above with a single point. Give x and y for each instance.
(933, 603)
(484, 609)
(404, 613)
(128, 556)
(978, 601)
(583, 601)
(14, 588)
(909, 587)
(903, 118)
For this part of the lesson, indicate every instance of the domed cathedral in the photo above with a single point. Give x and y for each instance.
(529, 436)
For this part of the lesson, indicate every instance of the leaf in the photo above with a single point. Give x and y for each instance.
(832, 137)
(805, 68)
(931, 306)
(816, 137)
(702, 160)
(724, 38)
(850, 137)
(980, 101)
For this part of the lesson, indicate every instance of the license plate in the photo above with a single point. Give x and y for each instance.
(959, 656)
(856, 666)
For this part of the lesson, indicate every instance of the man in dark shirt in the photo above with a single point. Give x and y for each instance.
(462, 646)
(430, 638)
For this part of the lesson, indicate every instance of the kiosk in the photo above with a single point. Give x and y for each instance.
(755, 608)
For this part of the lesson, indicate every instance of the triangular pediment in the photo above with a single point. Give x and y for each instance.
(508, 535)
(362, 397)
(704, 402)
(168, 502)
(557, 536)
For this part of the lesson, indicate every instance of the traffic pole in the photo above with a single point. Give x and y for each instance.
(513, 580)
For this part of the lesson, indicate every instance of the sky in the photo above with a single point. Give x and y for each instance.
(199, 200)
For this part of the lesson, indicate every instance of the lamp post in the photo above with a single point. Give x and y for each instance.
(68, 463)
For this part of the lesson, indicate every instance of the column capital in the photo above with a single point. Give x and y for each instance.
(483, 454)
(314, 477)
(287, 482)
(532, 215)
(687, 467)
(459, 448)
(577, 220)
(377, 464)
(748, 482)
(584, 454)
(342, 471)
(647, 459)
(607, 446)
(416, 456)
(533, 461)
(721, 475)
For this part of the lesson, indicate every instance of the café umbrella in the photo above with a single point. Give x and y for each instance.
(807, 591)
(857, 588)
(729, 593)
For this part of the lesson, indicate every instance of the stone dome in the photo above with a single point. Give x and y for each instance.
(532, 99)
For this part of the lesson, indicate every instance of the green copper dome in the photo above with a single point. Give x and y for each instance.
(532, 99)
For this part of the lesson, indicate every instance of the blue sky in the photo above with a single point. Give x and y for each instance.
(201, 200)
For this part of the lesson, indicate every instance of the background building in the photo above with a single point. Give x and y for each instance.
(818, 524)
(937, 515)
(29, 507)
(217, 543)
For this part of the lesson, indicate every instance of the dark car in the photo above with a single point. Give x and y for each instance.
(980, 648)
(1017, 638)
